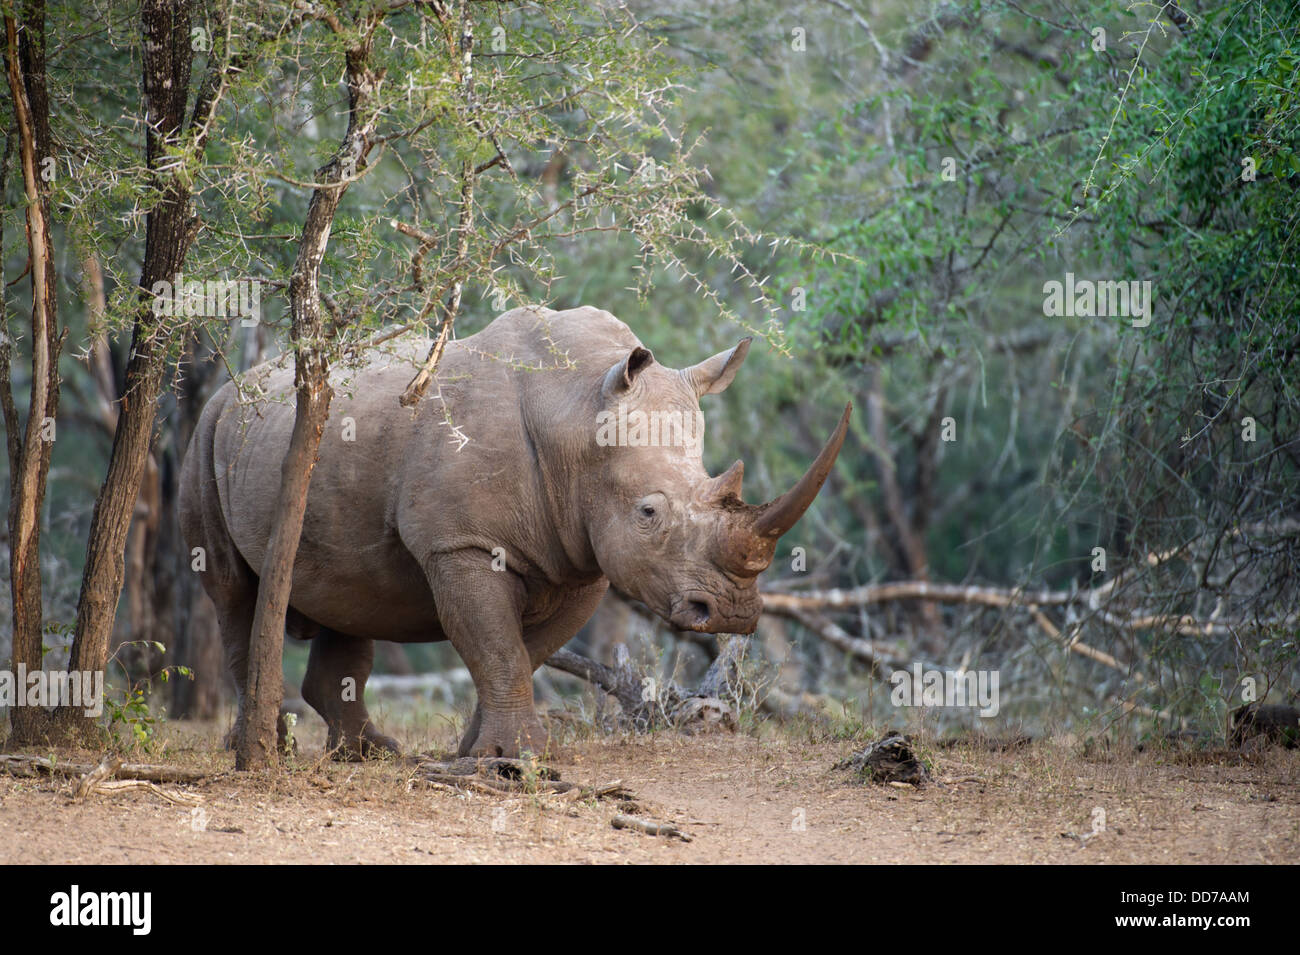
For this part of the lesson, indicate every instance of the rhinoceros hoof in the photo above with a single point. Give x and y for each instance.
(371, 744)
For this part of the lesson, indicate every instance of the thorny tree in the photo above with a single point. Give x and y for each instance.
(486, 136)
(486, 88)
(29, 445)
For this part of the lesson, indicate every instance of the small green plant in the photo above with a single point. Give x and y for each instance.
(130, 720)
(130, 714)
(531, 774)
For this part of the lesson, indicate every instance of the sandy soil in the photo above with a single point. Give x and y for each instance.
(740, 798)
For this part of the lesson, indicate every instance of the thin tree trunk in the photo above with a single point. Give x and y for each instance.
(909, 533)
(265, 691)
(145, 612)
(29, 456)
(256, 746)
(170, 230)
(910, 553)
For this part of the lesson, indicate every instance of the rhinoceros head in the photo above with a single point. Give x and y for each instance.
(665, 532)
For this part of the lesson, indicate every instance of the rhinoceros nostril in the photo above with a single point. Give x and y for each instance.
(701, 611)
(692, 613)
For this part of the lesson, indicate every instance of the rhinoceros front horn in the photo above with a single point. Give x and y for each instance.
(778, 516)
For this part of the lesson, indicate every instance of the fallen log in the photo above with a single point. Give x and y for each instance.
(619, 681)
(36, 765)
(837, 598)
(647, 702)
(110, 787)
(789, 603)
(1267, 723)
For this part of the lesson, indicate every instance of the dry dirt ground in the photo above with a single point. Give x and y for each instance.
(741, 798)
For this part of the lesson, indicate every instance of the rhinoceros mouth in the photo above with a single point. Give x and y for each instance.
(698, 612)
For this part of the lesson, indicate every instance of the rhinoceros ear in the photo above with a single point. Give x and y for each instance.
(714, 374)
(620, 377)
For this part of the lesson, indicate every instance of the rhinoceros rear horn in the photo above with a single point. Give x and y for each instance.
(728, 484)
(778, 516)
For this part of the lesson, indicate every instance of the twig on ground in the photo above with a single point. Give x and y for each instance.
(666, 829)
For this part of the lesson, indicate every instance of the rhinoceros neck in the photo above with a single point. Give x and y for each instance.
(560, 404)
(558, 416)
(525, 391)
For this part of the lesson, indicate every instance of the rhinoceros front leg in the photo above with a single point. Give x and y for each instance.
(545, 638)
(335, 685)
(480, 611)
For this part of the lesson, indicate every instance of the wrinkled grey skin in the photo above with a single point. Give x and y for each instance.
(402, 523)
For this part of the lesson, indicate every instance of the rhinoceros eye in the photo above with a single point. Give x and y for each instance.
(649, 507)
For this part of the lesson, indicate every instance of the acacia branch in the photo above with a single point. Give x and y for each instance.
(791, 604)
(464, 225)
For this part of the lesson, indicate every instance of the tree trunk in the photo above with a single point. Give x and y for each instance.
(141, 545)
(29, 456)
(160, 606)
(265, 691)
(909, 530)
(171, 226)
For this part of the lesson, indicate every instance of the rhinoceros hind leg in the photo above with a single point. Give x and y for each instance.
(235, 599)
(234, 592)
(335, 685)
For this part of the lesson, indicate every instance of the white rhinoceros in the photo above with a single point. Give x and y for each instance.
(553, 457)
